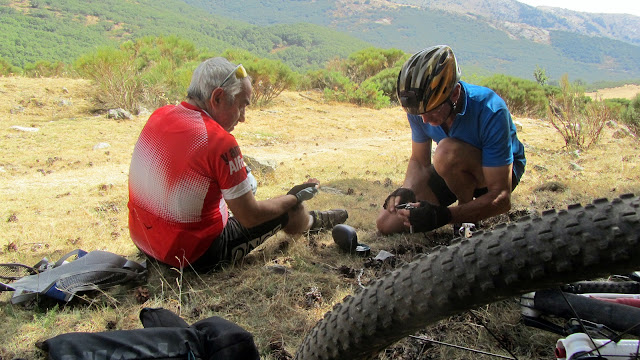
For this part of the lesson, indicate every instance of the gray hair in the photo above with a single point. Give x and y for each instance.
(208, 76)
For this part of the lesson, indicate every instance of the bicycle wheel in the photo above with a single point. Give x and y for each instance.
(533, 253)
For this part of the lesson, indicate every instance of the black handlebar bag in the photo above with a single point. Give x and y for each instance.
(165, 336)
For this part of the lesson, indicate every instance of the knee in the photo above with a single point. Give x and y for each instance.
(387, 223)
(447, 156)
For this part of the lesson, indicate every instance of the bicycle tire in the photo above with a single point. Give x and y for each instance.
(620, 287)
(532, 253)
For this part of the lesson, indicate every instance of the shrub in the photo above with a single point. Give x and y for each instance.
(368, 62)
(44, 68)
(631, 115)
(578, 120)
(366, 94)
(617, 106)
(523, 97)
(269, 78)
(386, 80)
(325, 79)
(116, 75)
(6, 68)
(150, 72)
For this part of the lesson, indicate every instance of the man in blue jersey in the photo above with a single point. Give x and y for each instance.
(478, 159)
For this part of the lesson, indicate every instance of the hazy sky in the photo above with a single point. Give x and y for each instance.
(598, 6)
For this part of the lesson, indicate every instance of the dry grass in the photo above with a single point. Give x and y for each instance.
(58, 193)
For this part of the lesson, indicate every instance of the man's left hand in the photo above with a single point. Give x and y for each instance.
(428, 217)
(304, 191)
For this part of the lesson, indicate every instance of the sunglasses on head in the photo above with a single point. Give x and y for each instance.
(240, 72)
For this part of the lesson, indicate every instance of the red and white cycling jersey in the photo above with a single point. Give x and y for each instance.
(183, 167)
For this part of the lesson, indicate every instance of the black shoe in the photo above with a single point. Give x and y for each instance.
(326, 220)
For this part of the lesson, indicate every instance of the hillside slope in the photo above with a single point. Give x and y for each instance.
(62, 30)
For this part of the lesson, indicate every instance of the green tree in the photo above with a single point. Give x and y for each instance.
(540, 75)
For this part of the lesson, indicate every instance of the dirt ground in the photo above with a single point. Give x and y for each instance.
(59, 191)
(623, 92)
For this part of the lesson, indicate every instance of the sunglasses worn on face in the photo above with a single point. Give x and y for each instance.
(240, 72)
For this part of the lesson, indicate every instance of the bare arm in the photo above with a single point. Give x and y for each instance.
(418, 167)
(496, 201)
(251, 212)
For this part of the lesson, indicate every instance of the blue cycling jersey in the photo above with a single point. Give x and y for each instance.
(484, 122)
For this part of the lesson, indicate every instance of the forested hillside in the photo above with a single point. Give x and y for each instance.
(62, 30)
(482, 47)
(306, 34)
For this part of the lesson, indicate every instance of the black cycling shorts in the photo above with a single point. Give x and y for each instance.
(444, 194)
(236, 241)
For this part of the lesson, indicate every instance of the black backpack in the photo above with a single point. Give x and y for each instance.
(165, 336)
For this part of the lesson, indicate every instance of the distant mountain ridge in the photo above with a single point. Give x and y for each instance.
(530, 22)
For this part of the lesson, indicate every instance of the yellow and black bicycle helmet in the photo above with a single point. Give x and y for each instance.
(427, 79)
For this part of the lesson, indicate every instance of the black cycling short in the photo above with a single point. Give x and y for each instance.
(236, 241)
(446, 197)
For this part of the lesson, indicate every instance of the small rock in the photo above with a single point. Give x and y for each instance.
(64, 102)
(101, 145)
(262, 166)
(621, 133)
(383, 255)
(518, 125)
(278, 269)
(118, 114)
(17, 109)
(575, 166)
(25, 128)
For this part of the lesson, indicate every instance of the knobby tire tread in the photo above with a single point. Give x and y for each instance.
(557, 247)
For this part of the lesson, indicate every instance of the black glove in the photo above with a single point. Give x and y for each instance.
(428, 217)
(406, 195)
(304, 191)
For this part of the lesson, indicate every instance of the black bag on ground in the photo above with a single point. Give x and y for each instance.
(165, 336)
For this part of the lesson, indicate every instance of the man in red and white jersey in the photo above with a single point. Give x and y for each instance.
(187, 172)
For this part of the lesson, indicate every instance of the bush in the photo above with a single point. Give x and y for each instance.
(368, 62)
(116, 75)
(578, 120)
(631, 115)
(366, 94)
(617, 106)
(150, 72)
(269, 78)
(325, 79)
(44, 68)
(387, 80)
(523, 97)
(6, 68)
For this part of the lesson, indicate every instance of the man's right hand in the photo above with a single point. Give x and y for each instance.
(399, 196)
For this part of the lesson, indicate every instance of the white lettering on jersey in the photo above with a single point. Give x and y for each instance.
(236, 164)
